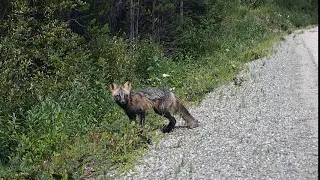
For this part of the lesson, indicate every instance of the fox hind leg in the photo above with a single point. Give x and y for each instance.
(172, 123)
(172, 120)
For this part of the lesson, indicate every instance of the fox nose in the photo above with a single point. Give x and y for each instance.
(123, 102)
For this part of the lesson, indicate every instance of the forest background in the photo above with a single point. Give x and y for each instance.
(57, 59)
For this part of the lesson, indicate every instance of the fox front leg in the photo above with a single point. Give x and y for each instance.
(132, 117)
(142, 118)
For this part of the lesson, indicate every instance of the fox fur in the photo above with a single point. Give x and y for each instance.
(161, 100)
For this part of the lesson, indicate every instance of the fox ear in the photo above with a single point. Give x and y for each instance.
(127, 86)
(114, 88)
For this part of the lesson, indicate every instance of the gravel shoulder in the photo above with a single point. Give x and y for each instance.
(267, 128)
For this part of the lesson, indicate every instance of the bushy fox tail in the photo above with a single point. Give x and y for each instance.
(184, 114)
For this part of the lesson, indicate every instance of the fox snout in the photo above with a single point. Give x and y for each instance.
(123, 101)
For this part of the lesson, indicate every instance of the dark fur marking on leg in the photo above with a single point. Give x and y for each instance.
(172, 121)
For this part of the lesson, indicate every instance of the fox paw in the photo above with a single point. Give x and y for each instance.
(167, 129)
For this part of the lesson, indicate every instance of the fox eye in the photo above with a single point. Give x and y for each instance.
(118, 97)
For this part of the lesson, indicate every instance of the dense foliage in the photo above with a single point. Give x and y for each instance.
(57, 58)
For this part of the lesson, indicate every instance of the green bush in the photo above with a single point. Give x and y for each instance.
(52, 131)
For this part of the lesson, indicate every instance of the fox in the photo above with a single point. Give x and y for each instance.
(161, 100)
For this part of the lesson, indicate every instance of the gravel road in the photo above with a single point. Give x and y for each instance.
(266, 128)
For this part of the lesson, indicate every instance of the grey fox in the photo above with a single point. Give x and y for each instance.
(162, 101)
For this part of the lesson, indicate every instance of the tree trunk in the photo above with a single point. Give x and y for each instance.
(131, 20)
(181, 11)
(153, 18)
(137, 19)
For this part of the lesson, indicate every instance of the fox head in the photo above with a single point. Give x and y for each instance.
(121, 93)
